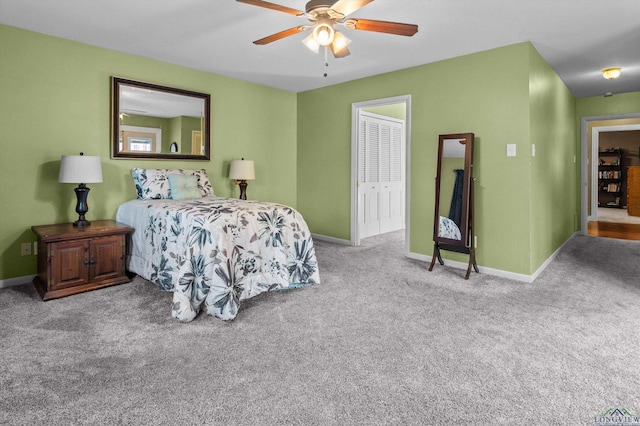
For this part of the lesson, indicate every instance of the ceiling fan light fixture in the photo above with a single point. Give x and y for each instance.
(339, 46)
(611, 73)
(340, 41)
(311, 43)
(323, 33)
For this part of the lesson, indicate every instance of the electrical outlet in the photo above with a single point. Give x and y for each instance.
(475, 241)
(25, 249)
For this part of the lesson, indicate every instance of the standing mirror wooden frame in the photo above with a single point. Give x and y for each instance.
(453, 215)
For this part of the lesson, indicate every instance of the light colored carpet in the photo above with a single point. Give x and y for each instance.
(616, 215)
(381, 341)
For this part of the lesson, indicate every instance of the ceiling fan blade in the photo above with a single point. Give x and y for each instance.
(347, 7)
(278, 36)
(382, 26)
(273, 6)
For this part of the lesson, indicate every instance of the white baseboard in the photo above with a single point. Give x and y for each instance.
(553, 256)
(497, 272)
(328, 239)
(10, 282)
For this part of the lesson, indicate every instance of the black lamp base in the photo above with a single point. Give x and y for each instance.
(81, 222)
(82, 192)
(243, 189)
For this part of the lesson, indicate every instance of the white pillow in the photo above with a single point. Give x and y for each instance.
(151, 184)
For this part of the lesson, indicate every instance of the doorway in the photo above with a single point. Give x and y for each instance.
(388, 208)
(609, 145)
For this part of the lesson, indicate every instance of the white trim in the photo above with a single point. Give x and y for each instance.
(584, 159)
(497, 272)
(595, 148)
(329, 239)
(10, 282)
(355, 112)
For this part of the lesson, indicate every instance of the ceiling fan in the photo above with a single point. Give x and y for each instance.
(323, 16)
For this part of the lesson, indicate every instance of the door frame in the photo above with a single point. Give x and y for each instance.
(589, 181)
(356, 107)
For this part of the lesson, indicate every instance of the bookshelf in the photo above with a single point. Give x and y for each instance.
(610, 178)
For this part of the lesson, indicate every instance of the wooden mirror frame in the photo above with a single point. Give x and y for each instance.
(118, 83)
(468, 175)
(465, 244)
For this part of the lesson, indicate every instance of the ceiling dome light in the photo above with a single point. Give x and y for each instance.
(611, 73)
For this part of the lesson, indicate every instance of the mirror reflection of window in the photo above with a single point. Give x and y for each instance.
(139, 144)
(141, 139)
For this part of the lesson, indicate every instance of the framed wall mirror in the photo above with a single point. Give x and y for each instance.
(453, 215)
(153, 121)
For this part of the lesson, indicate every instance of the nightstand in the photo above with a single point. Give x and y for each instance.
(73, 259)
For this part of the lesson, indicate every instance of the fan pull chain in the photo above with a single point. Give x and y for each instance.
(326, 61)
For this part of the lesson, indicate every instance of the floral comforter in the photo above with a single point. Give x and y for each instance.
(214, 252)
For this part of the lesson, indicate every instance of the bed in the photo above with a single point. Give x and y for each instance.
(448, 229)
(212, 252)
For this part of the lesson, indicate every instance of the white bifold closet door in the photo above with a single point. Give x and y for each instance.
(380, 175)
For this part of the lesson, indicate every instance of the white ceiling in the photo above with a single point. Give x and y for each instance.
(576, 37)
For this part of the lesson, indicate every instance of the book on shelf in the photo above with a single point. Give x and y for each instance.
(612, 187)
(609, 174)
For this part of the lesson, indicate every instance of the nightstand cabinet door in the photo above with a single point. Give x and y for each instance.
(107, 258)
(69, 264)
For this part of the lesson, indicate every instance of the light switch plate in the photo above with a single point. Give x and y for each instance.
(511, 150)
(533, 149)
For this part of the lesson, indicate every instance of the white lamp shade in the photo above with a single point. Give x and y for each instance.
(80, 169)
(311, 43)
(242, 170)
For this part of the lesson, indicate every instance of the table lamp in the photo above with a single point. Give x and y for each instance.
(80, 169)
(241, 171)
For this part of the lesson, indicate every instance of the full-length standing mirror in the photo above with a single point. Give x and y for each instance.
(453, 216)
(153, 121)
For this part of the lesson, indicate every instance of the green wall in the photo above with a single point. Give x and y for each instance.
(463, 94)
(55, 100)
(393, 110)
(553, 204)
(623, 103)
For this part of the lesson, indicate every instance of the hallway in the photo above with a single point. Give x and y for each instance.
(615, 223)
